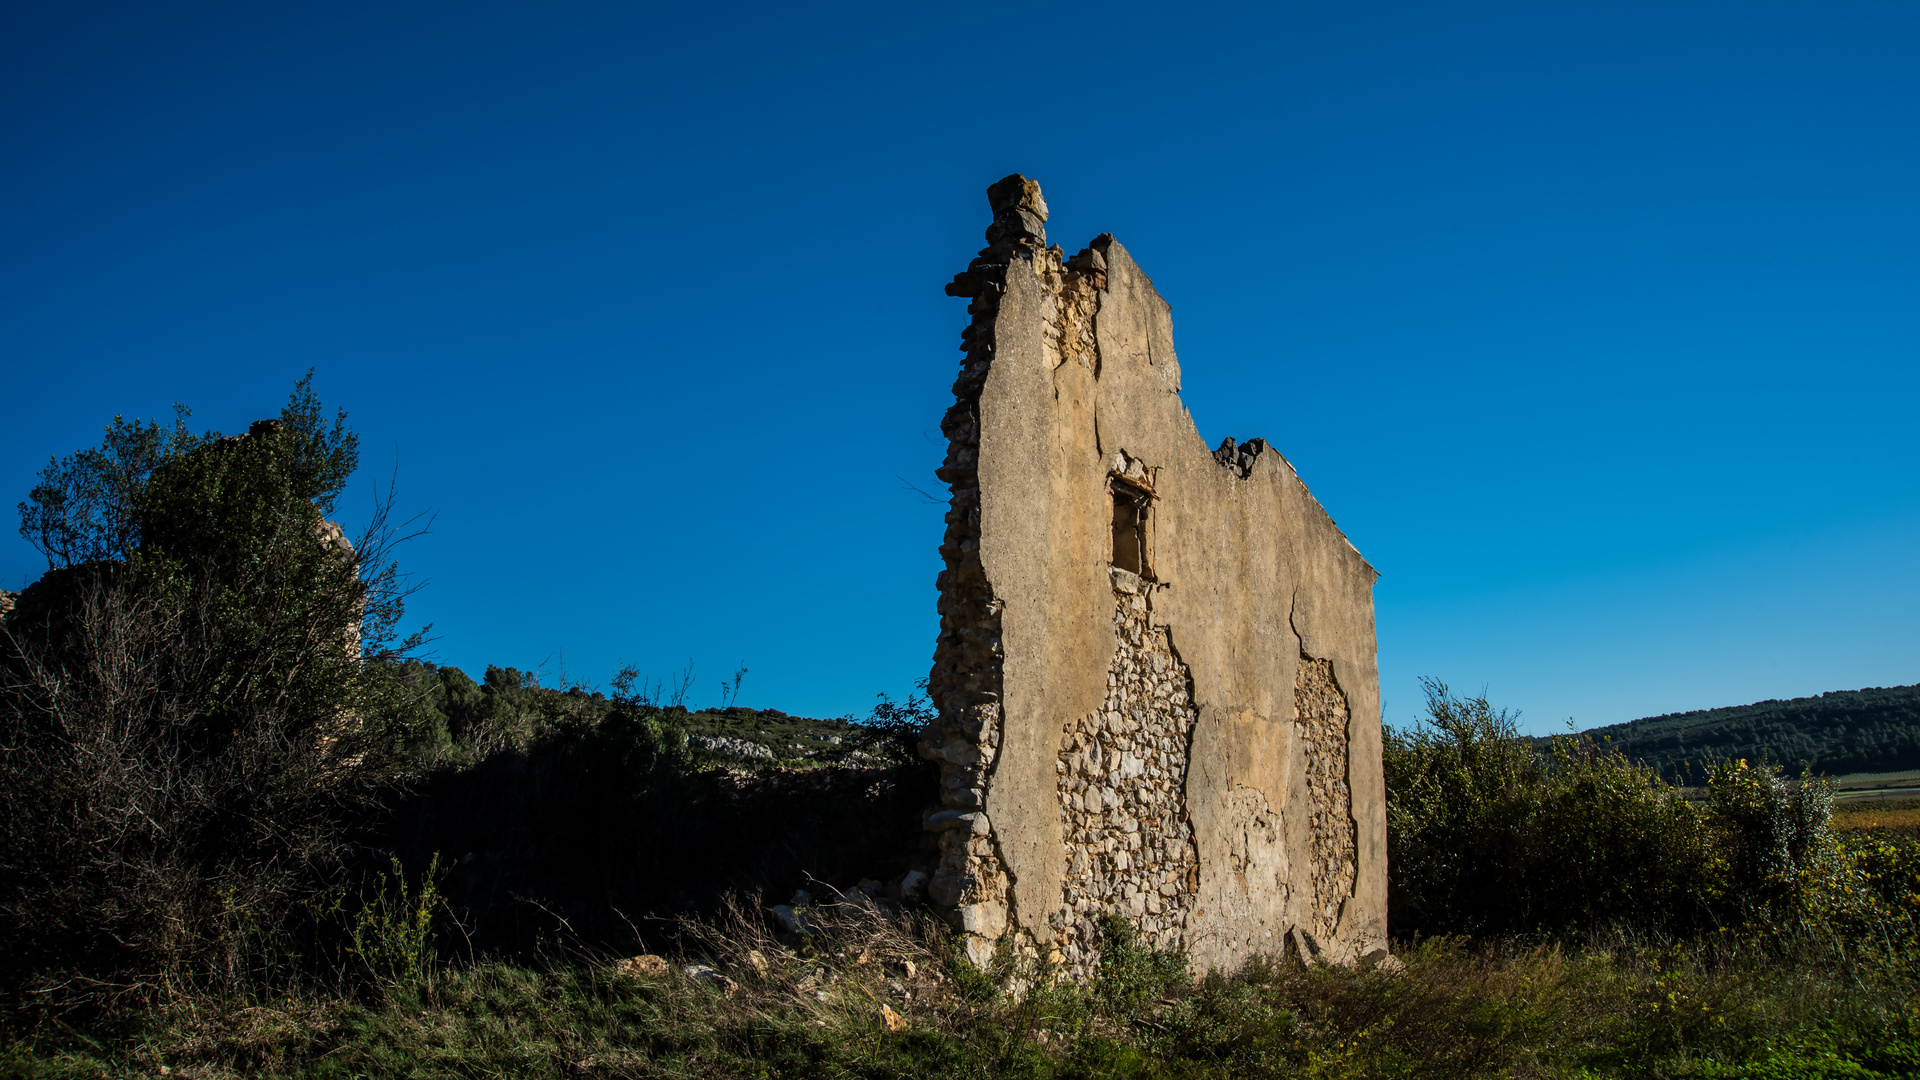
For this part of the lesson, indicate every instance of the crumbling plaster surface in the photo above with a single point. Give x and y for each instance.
(1075, 374)
(1043, 545)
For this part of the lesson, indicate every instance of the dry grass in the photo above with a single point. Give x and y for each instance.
(869, 992)
(854, 957)
(1900, 816)
(1877, 818)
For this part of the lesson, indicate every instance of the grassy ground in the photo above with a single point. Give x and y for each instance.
(1876, 782)
(872, 995)
(1879, 779)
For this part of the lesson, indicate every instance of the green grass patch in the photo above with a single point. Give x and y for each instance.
(869, 995)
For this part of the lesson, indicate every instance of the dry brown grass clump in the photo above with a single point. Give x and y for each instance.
(838, 961)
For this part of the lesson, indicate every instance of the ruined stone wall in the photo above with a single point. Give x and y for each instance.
(1123, 771)
(1321, 717)
(1155, 675)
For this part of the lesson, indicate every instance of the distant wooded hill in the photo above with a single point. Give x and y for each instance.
(1844, 731)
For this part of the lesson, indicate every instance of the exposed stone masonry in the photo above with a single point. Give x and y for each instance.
(1320, 715)
(965, 681)
(1188, 793)
(1123, 774)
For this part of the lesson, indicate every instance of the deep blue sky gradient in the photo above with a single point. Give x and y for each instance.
(1596, 326)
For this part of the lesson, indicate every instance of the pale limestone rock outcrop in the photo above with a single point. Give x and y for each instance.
(1156, 675)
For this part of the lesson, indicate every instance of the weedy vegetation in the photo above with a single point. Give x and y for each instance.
(248, 832)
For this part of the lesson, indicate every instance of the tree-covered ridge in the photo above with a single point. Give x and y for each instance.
(1876, 729)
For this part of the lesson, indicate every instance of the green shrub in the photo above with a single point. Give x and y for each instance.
(1772, 839)
(392, 927)
(1489, 833)
(1869, 892)
(192, 714)
(1133, 978)
(1492, 833)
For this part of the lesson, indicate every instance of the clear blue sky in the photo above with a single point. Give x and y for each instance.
(1596, 326)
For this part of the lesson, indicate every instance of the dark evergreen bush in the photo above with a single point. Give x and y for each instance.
(189, 715)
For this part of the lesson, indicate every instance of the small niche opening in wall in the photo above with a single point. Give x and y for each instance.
(1132, 522)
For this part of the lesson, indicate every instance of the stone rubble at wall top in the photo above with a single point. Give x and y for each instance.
(1239, 458)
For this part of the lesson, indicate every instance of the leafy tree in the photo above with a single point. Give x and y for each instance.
(892, 732)
(86, 506)
(194, 700)
(100, 503)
